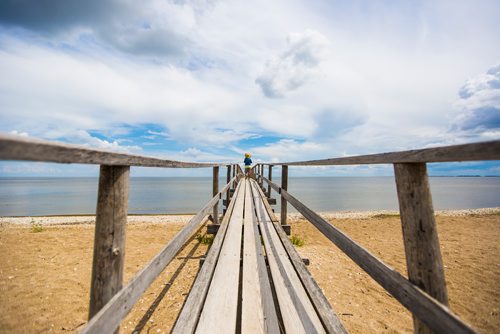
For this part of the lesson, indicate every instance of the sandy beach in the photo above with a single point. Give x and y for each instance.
(45, 268)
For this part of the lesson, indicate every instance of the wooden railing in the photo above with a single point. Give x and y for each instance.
(424, 293)
(109, 301)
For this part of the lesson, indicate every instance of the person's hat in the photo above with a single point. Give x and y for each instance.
(247, 155)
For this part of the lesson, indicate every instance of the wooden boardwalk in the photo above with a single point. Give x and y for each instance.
(242, 293)
(253, 280)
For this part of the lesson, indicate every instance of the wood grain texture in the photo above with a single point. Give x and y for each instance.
(228, 179)
(284, 186)
(270, 177)
(219, 312)
(109, 238)
(423, 256)
(252, 310)
(297, 311)
(29, 149)
(325, 311)
(466, 152)
(110, 316)
(428, 310)
(215, 191)
(190, 313)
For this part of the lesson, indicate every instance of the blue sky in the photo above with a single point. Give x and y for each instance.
(285, 80)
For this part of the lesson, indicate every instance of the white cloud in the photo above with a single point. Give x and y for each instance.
(295, 66)
(290, 150)
(480, 103)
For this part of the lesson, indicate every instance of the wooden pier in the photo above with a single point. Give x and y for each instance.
(253, 280)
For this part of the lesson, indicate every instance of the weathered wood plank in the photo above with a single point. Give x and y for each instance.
(189, 316)
(29, 149)
(284, 186)
(325, 311)
(296, 309)
(268, 303)
(489, 150)
(423, 256)
(435, 315)
(109, 317)
(219, 313)
(109, 239)
(252, 310)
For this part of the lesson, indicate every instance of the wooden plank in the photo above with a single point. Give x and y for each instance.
(423, 256)
(296, 309)
(489, 150)
(435, 315)
(215, 191)
(30, 149)
(219, 312)
(325, 311)
(109, 239)
(189, 316)
(252, 310)
(284, 186)
(109, 317)
(268, 303)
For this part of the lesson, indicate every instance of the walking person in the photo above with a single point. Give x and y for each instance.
(248, 164)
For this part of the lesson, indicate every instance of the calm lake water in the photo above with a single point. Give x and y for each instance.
(64, 196)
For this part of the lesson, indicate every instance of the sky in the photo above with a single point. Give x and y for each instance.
(284, 80)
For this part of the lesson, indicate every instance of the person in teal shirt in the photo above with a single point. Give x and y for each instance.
(248, 163)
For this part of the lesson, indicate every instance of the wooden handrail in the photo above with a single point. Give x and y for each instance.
(435, 315)
(29, 149)
(483, 151)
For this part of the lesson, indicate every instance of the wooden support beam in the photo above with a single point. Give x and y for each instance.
(423, 256)
(270, 177)
(228, 178)
(284, 186)
(215, 187)
(109, 240)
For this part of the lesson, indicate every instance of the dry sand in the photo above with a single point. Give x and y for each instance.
(45, 276)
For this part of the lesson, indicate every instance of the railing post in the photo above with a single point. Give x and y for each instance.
(423, 256)
(270, 177)
(262, 169)
(215, 190)
(109, 239)
(284, 186)
(228, 192)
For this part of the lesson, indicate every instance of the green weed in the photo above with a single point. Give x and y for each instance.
(206, 239)
(297, 240)
(36, 228)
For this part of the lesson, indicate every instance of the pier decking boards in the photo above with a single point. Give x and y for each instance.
(243, 294)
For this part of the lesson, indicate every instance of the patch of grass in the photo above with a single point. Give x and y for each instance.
(297, 240)
(206, 239)
(386, 215)
(36, 228)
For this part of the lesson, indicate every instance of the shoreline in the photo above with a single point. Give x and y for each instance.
(55, 220)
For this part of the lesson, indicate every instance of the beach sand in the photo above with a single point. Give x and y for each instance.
(45, 276)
